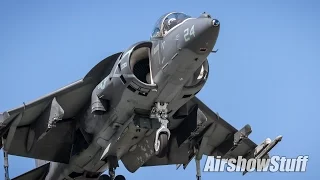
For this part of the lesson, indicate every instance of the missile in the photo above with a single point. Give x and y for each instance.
(262, 152)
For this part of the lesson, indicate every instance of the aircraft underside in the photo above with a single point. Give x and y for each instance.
(138, 106)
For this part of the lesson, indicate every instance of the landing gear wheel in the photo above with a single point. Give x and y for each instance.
(104, 177)
(119, 177)
(162, 145)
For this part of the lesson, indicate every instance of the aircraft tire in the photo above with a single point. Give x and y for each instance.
(119, 177)
(104, 177)
(163, 138)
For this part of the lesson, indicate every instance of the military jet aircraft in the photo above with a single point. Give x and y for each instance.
(138, 106)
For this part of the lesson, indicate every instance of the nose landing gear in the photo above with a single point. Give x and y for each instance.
(160, 111)
(161, 145)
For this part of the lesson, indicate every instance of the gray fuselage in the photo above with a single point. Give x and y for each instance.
(169, 69)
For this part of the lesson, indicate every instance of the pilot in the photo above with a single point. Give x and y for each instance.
(169, 23)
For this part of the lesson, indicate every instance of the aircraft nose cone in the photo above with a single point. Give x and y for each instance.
(206, 36)
(215, 22)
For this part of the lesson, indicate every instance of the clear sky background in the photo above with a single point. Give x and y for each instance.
(266, 72)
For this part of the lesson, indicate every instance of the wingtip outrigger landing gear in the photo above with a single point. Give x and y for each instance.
(197, 156)
(160, 111)
(198, 175)
(5, 160)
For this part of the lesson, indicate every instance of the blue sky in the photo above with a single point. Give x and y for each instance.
(266, 72)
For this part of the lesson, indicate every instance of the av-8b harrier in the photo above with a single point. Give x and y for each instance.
(138, 106)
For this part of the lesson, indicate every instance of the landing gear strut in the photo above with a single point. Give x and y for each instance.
(197, 158)
(112, 173)
(5, 160)
(113, 164)
(198, 176)
(160, 111)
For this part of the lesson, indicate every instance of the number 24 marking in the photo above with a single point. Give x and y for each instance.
(188, 33)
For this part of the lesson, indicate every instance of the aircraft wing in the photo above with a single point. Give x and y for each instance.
(38, 173)
(203, 132)
(219, 139)
(222, 139)
(43, 129)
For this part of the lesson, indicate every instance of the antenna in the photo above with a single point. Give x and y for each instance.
(215, 51)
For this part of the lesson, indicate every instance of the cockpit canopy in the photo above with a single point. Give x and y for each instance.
(167, 22)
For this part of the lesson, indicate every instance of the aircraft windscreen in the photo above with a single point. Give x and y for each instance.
(167, 22)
